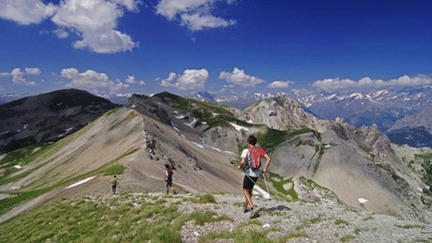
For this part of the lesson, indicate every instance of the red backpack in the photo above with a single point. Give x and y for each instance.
(254, 158)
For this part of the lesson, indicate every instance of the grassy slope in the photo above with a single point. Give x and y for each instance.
(39, 152)
(212, 114)
(126, 218)
(116, 219)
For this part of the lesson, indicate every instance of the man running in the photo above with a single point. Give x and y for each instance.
(168, 177)
(114, 184)
(251, 158)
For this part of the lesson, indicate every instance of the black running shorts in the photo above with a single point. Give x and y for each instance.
(249, 182)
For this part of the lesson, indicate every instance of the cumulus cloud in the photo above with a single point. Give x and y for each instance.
(279, 84)
(336, 83)
(131, 80)
(61, 33)
(197, 21)
(91, 79)
(26, 12)
(191, 79)
(239, 77)
(33, 71)
(168, 82)
(227, 87)
(195, 14)
(19, 76)
(96, 23)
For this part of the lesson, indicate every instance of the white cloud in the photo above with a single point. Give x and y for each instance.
(19, 77)
(195, 14)
(26, 12)
(239, 77)
(33, 71)
(130, 79)
(336, 83)
(91, 79)
(190, 79)
(96, 23)
(197, 21)
(169, 80)
(61, 33)
(280, 84)
(408, 81)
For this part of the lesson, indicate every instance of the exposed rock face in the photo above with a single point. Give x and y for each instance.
(191, 124)
(354, 164)
(48, 117)
(282, 113)
(149, 107)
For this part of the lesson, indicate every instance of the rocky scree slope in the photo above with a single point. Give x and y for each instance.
(353, 162)
(414, 130)
(125, 142)
(202, 141)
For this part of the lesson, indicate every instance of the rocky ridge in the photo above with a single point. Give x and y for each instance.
(202, 141)
(363, 159)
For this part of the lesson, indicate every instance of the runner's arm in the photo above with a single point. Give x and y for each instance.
(242, 162)
(268, 162)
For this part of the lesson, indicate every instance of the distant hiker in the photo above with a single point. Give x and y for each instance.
(251, 159)
(114, 183)
(168, 173)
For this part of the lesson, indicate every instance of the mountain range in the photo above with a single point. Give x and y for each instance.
(202, 141)
(403, 114)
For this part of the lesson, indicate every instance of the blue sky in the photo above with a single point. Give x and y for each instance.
(227, 47)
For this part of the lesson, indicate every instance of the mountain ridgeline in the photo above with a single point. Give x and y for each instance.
(403, 114)
(352, 162)
(203, 141)
(47, 117)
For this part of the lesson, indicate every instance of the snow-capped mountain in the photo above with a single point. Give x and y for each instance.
(402, 114)
(382, 107)
(203, 96)
(385, 107)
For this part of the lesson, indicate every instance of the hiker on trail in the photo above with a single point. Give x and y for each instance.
(114, 183)
(251, 159)
(168, 177)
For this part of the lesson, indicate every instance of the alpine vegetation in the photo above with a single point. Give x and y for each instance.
(328, 181)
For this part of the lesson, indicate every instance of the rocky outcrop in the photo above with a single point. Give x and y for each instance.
(282, 113)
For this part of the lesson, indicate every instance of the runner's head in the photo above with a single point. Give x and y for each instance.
(167, 166)
(252, 140)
